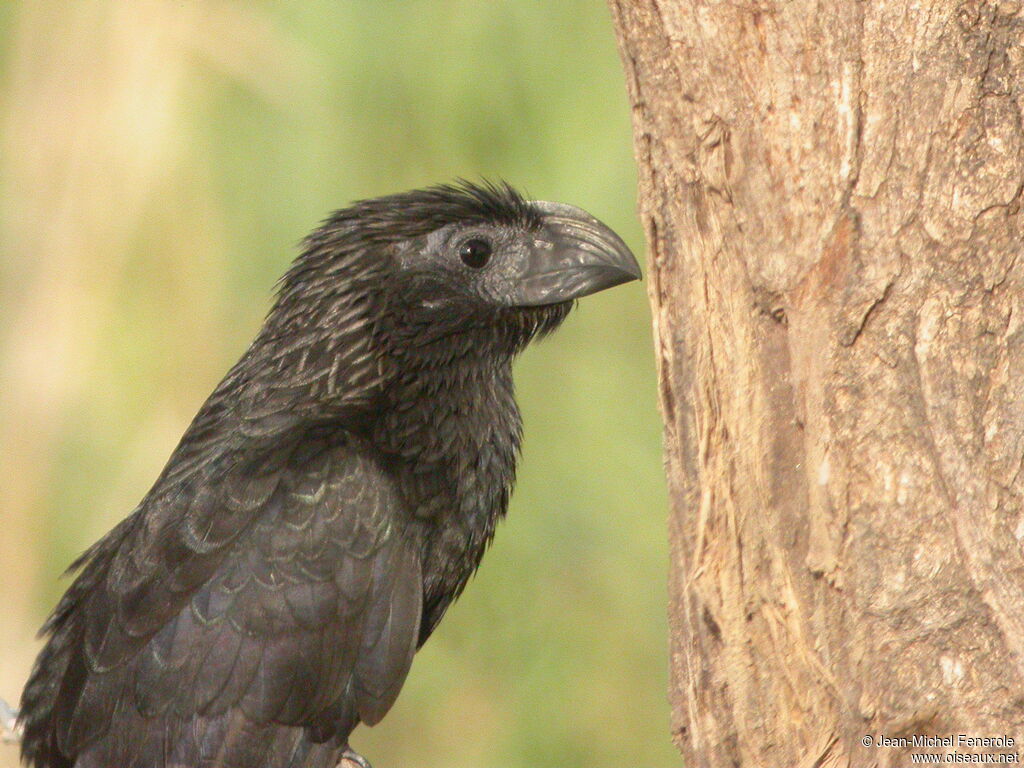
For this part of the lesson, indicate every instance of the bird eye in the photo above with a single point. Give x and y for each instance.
(475, 253)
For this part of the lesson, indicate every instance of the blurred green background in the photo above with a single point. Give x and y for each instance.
(159, 161)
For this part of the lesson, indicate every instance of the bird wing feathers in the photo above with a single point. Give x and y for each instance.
(269, 596)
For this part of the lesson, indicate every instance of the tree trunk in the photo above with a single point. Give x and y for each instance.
(831, 196)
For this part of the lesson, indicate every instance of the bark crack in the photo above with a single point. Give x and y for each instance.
(866, 316)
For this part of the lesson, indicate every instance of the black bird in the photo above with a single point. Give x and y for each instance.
(329, 501)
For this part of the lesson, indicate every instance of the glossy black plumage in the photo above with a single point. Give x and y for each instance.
(329, 501)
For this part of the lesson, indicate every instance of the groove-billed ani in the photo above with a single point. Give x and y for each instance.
(329, 501)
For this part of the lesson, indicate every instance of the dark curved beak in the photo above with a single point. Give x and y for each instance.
(573, 255)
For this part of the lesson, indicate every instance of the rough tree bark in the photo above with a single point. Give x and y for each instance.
(831, 195)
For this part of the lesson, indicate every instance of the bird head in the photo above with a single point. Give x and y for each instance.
(437, 273)
(464, 256)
